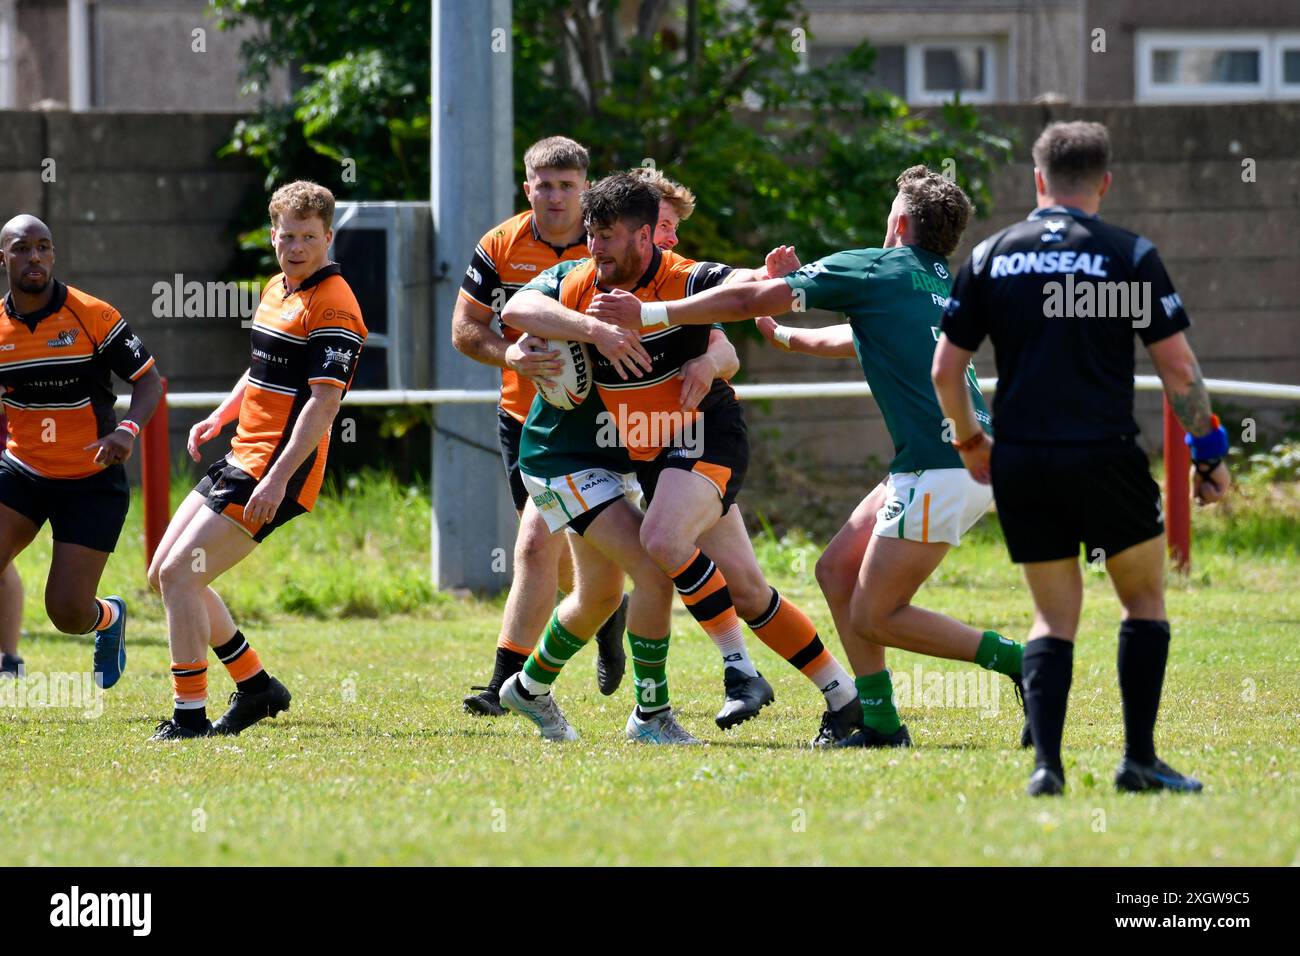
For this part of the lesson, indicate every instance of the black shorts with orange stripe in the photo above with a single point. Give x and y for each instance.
(719, 454)
(227, 488)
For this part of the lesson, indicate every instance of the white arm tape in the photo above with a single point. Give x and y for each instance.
(654, 313)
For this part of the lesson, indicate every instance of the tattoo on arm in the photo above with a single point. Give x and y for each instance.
(1192, 406)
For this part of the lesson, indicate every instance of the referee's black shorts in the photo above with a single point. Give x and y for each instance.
(1052, 498)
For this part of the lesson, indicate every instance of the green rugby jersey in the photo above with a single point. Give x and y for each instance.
(556, 442)
(894, 300)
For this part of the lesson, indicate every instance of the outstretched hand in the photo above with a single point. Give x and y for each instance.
(781, 261)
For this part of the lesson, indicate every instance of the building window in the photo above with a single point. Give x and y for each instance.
(1288, 66)
(1205, 67)
(8, 54)
(939, 70)
(1198, 67)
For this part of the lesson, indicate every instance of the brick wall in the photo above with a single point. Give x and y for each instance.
(134, 199)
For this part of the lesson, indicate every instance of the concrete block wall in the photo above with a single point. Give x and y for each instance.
(134, 199)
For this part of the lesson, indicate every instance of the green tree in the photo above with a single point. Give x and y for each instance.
(359, 75)
(718, 95)
(714, 92)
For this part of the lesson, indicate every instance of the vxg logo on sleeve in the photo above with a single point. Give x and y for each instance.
(77, 909)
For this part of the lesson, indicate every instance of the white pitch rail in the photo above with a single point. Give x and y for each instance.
(460, 396)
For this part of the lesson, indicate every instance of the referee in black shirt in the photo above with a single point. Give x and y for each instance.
(1061, 296)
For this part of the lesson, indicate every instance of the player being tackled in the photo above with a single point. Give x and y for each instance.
(580, 464)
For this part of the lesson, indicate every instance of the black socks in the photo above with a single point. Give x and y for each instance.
(1048, 670)
(1143, 651)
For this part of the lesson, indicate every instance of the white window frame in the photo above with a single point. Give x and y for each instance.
(916, 91)
(1148, 91)
(8, 54)
(1282, 43)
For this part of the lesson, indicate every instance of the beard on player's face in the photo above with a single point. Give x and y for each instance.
(33, 285)
(624, 267)
(619, 256)
(27, 277)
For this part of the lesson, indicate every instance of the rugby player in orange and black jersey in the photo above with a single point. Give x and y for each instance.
(63, 458)
(506, 258)
(306, 343)
(634, 403)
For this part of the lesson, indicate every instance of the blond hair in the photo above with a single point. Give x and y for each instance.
(675, 194)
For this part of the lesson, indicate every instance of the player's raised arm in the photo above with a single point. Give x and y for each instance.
(832, 341)
(537, 313)
(780, 262)
(733, 302)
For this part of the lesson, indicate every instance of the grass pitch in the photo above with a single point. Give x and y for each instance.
(376, 764)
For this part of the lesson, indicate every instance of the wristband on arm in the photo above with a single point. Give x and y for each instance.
(973, 442)
(130, 427)
(653, 313)
(1213, 445)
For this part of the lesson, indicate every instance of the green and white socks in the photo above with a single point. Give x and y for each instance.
(876, 691)
(548, 658)
(998, 653)
(650, 672)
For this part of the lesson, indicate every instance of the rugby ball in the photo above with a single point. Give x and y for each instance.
(573, 383)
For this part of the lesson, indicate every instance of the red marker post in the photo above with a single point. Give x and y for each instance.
(1178, 492)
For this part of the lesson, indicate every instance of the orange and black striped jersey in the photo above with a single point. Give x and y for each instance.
(55, 367)
(307, 337)
(505, 260)
(668, 277)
